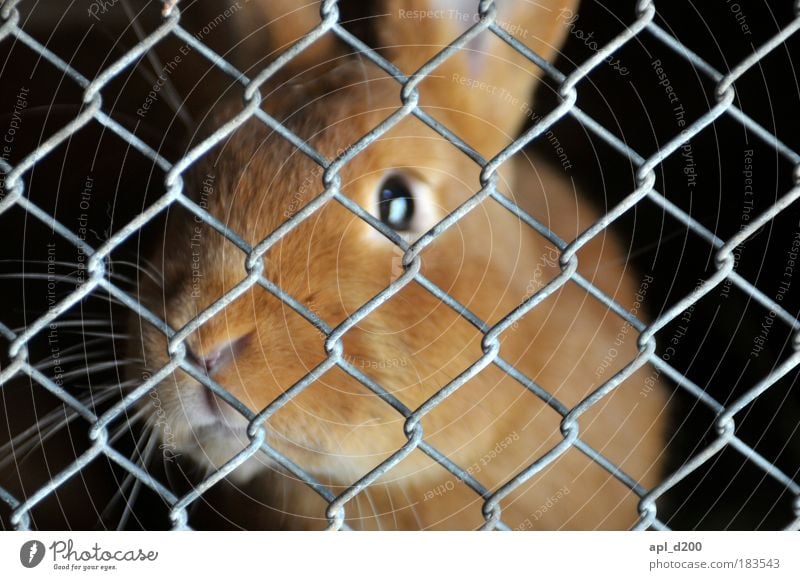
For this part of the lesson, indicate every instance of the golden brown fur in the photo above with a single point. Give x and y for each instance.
(412, 345)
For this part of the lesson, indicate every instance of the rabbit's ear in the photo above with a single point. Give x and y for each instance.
(483, 91)
(265, 29)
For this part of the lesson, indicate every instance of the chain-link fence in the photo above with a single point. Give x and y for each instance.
(100, 279)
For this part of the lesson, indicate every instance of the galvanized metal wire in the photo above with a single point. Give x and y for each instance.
(99, 279)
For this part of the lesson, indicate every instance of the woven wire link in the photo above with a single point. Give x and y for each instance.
(99, 279)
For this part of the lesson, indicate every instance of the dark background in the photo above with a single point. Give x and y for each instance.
(716, 349)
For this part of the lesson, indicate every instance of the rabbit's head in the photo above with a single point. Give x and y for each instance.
(408, 178)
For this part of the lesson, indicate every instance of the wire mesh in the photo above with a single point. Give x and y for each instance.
(99, 277)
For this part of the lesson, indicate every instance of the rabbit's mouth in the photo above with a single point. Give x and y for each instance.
(204, 428)
(207, 412)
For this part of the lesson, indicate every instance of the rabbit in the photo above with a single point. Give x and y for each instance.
(413, 344)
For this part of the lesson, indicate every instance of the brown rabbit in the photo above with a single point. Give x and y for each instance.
(413, 344)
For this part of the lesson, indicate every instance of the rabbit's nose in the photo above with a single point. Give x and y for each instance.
(220, 356)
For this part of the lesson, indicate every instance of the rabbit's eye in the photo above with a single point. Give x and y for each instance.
(396, 204)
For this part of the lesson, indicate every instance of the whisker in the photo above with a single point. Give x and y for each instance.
(20, 442)
(118, 494)
(26, 443)
(81, 345)
(117, 386)
(50, 361)
(150, 270)
(91, 296)
(126, 426)
(70, 277)
(153, 275)
(150, 264)
(126, 482)
(69, 324)
(82, 322)
(101, 334)
(67, 264)
(40, 276)
(94, 368)
(75, 269)
(137, 486)
(33, 261)
(105, 298)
